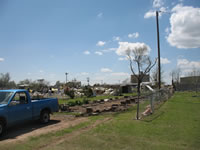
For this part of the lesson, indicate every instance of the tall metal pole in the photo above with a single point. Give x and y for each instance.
(66, 76)
(158, 42)
(88, 80)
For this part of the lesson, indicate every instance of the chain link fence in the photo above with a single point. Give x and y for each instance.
(153, 101)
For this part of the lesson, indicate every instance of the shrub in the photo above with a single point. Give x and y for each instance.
(69, 92)
(88, 92)
(78, 102)
(71, 103)
(85, 101)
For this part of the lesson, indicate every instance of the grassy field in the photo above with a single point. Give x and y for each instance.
(176, 125)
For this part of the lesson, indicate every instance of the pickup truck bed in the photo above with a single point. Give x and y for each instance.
(51, 104)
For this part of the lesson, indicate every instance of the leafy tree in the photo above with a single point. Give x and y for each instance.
(5, 82)
(69, 92)
(26, 81)
(58, 84)
(12, 85)
(88, 91)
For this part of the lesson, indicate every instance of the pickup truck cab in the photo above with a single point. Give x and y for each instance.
(16, 107)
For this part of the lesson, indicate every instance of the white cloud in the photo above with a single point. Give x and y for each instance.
(187, 66)
(84, 74)
(98, 53)
(41, 71)
(162, 9)
(158, 3)
(167, 30)
(164, 61)
(185, 22)
(100, 15)
(101, 43)
(2, 59)
(110, 77)
(86, 52)
(126, 48)
(133, 35)
(105, 70)
(152, 13)
(122, 58)
(149, 14)
(120, 74)
(116, 38)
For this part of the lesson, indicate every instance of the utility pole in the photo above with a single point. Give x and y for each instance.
(88, 80)
(66, 76)
(158, 42)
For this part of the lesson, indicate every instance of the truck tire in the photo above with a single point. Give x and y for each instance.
(44, 117)
(2, 127)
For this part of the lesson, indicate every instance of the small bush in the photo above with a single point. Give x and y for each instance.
(88, 92)
(71, 103)
(70, 92)
(78, 102)
(85, 101)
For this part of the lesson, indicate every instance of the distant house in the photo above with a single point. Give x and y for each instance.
(146, 78)
(190, 80)
(191, 83)
(130, 87)
(23, 86)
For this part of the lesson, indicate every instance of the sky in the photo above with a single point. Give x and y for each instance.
(44, 39)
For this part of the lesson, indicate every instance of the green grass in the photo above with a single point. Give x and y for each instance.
(175, 125)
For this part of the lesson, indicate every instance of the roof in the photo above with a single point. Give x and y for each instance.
(13, 90)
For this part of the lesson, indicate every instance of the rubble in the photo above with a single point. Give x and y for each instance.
(97, 107)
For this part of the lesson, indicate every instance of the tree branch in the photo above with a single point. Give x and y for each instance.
(131, 65)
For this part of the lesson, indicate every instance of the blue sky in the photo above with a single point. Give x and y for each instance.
(46, 38)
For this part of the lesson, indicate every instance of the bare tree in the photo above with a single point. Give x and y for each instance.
(154, 76)
(140, 62)
(176, 73)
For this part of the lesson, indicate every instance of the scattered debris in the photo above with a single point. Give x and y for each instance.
(97, 107)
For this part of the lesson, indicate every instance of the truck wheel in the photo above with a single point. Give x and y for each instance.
(44, 117)
(2, 127)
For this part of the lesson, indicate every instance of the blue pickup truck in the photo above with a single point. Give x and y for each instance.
(16, 106)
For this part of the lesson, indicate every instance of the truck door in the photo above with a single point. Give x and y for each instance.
(20, 108)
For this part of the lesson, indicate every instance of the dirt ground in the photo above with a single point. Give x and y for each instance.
(34, 128)
(68, 137)
(61, 121)
(104, 105)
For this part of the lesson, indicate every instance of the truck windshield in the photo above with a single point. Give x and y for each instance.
(5, 96)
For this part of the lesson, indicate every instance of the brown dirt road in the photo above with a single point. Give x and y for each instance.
(23, 131)
(68, 137)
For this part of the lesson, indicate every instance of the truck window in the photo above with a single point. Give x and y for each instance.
(5, 97)
(20, 98)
